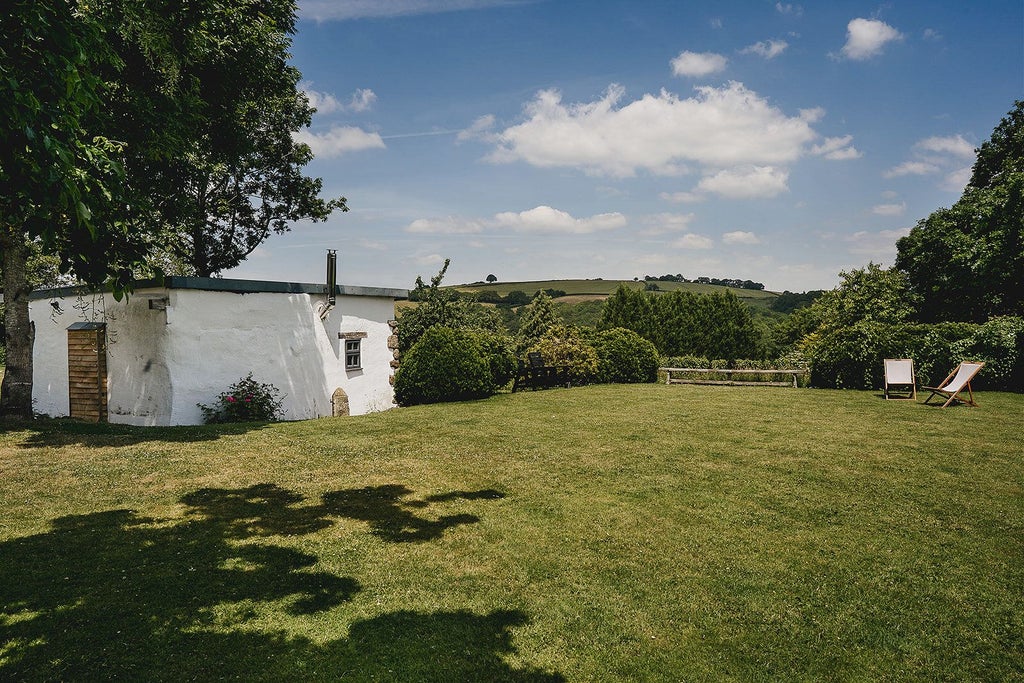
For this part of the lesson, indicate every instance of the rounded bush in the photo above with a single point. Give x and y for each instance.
(444, 365)
(562, 345)
(500, 352)
(623, 357)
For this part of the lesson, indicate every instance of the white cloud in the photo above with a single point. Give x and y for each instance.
(786, 8)
(957, 180)
(692, 241)
(665, 223)
(768, 49)
(954, 145)
(718, 127)
(837, 149)
(740, 237)
(341, 10)
(451, 225)
(879, 246)
(547, 219)
(911, 168)
(931, 34)
(340, 140)
(362, 100)
(326, 103)
(682, 197)
(866, 38)
(889, 209)
(750, 182)
(698, 64)
(481, 129)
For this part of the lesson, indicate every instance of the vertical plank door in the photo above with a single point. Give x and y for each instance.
(87, 371)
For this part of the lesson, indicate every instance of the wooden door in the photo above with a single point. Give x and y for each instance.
(87, 371)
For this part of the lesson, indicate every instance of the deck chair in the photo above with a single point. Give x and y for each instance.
(899, 373)
(956, 382)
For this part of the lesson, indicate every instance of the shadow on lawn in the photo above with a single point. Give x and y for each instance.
(117, 595)
(57, 432)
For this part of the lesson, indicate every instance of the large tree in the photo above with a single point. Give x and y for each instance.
(967, 262)
(201, 103)
(240, 177)
(56, 176)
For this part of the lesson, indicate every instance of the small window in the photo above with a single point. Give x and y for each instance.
(353, 357)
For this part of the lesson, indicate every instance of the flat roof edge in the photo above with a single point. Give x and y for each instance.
(217, 284)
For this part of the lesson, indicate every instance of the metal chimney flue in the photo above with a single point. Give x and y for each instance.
(332, 275)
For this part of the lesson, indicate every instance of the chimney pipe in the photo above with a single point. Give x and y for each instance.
(332, 275)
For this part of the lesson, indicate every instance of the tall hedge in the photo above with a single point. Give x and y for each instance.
(851, 357)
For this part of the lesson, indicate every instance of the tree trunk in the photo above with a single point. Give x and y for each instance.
(16, 391)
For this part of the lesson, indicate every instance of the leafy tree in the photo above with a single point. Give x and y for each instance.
(492, 278)
(563, 345)
(967, 262)
(55, 175)
(239, 177)
(537, 318)
(872, 294)
(440, 307)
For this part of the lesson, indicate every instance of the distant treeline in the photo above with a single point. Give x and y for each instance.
(788, 301)
(724, 282)
(513, 299)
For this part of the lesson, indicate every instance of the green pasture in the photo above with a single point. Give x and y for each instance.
(606, 287)
(640, 533)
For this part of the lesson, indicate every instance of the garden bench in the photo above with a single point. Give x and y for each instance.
(536, 375)
(685, 376)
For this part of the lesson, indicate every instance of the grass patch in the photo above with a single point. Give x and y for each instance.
(609, 532)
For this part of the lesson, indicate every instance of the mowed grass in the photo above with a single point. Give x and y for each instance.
(641, 533)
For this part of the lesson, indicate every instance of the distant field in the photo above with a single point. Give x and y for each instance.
(603, 288)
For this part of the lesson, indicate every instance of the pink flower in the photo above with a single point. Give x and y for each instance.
(231, 399)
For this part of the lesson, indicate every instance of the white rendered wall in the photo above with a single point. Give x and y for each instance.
(162, 363)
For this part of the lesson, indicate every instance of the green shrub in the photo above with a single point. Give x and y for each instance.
(444, 365)
(245, 401)
(852, 357)
(500, 352)
(623, 356)
(563, 345)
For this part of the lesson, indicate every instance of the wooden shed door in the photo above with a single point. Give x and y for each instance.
(87, 371)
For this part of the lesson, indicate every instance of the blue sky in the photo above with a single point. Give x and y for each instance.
(779, 142)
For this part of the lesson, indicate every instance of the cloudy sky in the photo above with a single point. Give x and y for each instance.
(779, 142)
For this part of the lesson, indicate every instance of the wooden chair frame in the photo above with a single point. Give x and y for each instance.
(952, 388)
(895, 369)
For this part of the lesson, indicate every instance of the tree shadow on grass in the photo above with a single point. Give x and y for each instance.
(57, 432)
(117, 595)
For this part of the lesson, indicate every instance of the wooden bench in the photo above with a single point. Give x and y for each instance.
(681, 376)
(536, 375)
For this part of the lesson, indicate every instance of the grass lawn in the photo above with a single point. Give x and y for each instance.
(641, 533)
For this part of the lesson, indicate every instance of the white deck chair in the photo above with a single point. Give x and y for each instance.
(899, 372)
(956, 382)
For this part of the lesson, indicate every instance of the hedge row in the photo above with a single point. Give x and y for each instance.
(454, 364)
(852, 357)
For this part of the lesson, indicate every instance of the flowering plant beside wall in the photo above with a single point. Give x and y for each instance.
(245, 401)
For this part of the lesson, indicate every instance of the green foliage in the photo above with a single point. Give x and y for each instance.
(444, 364)
(245, 401)
(562, 345)
(869, 294)
(967, 262)
(500, 351)
(681, 322)
(788, 301)
(625, 357)
(852, 357)
(440, 307)
(536, 319)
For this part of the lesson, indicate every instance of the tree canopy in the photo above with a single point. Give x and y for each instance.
(966, 263)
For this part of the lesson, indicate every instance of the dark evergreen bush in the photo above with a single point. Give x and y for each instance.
(500, 352)
(623, 356)
(444, 365)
